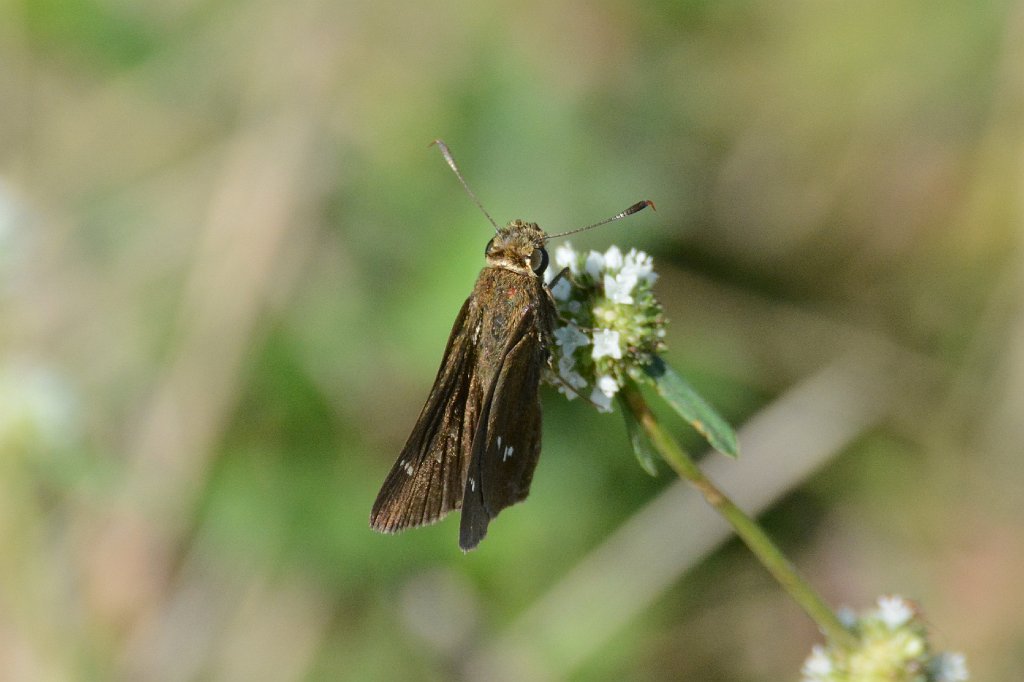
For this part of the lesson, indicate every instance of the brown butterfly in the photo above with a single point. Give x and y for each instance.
(477, 440)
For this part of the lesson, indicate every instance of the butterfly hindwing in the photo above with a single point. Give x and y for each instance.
(506, 445)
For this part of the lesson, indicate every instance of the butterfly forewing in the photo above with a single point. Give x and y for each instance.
(427, 480)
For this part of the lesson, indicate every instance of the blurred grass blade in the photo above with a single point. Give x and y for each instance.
(642, 447)
(691, 407)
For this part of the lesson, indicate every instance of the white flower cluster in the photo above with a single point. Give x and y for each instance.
(612, 322)
(893, 648)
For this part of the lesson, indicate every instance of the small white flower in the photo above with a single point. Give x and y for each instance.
(565, 257)
(606, 343)
(950, 667)
(603, 402)
(566, 364)
(569, 338)
(608, 385)
(567, 370)
(594, 264)
(619, 289)
(817, 666)
(894, 611)
(913, 646)
(562, 290)
(613, 258)
(847, 616)
(640, 264)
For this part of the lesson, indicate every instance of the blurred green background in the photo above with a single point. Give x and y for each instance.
(229, 264)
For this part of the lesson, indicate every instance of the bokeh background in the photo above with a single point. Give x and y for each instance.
(229, 264)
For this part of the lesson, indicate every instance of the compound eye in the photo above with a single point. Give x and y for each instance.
(539, 261)
(487, 249)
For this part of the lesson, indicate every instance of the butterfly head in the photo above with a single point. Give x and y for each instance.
(519, 247)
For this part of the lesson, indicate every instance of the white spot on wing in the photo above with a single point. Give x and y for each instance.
(472, 484)
(508, 453)
(407, 466)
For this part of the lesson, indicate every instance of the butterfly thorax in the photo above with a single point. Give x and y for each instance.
(519, 247)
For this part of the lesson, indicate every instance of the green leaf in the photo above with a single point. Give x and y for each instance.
(642, 447)
(678, 393)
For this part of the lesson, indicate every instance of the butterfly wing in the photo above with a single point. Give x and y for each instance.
(427, 480)
(506, 444)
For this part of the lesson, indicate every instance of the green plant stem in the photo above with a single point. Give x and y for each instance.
(755, 538)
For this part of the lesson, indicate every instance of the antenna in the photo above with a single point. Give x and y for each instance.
(451, 162)
(638, 206)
